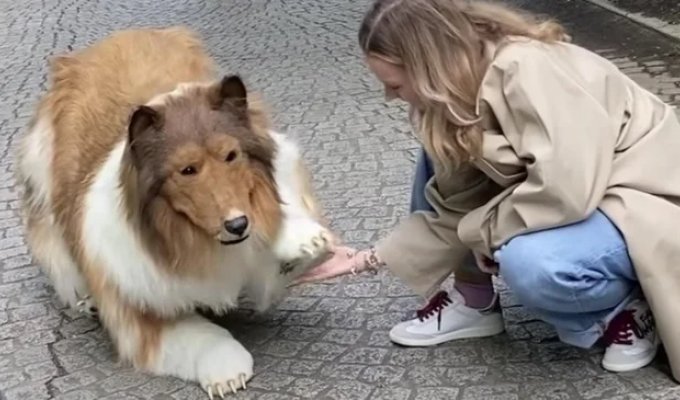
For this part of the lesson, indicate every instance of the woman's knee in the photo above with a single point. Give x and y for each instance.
(546, 272)
(532, 271)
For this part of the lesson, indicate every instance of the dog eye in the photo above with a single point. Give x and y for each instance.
(231, 156)
(190, 170)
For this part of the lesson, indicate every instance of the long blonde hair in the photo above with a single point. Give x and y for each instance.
(440, 44)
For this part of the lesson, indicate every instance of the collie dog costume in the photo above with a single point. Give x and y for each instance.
(153, 188)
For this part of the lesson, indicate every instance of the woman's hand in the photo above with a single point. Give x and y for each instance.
(345, 261)
(486, 264)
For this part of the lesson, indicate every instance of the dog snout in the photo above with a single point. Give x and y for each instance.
(236, 226)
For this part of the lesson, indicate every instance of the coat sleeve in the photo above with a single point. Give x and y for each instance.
(564, 136)
(424, 248)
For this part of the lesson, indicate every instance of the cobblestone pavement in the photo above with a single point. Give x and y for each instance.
(325, 341)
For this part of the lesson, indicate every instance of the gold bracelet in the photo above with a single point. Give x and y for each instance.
(371, 262)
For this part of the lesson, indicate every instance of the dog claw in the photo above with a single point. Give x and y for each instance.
(220, 389)
(307, 251)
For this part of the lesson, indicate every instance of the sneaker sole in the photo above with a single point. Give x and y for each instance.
(641, 363)
(468, 333)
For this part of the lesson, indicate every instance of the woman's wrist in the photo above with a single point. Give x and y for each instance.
(367, 260)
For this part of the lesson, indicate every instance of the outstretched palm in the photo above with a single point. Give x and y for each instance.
(344, 258)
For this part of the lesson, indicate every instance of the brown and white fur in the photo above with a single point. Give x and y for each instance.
(151, 188)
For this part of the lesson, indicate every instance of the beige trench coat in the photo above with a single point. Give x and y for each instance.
(565, 133)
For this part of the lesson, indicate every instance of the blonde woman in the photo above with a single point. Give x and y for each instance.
(542, 162)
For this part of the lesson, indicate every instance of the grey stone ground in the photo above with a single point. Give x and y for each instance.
(326, 341)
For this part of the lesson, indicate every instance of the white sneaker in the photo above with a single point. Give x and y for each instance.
(444, 319)
(631, 339)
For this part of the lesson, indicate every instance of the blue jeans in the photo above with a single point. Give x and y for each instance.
(576, 277)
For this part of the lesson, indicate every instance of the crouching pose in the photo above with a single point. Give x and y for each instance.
(533, 152)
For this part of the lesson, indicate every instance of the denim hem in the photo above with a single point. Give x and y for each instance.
(587, 338)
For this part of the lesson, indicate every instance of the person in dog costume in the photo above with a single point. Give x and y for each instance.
(542, 162)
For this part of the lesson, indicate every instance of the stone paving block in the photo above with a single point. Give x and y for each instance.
(74, 381)
(349, 390)
(391, 394)
(35, 390)
(78, 395)
(382, 374)
(602, 387)
(436, 393)
(308, 388)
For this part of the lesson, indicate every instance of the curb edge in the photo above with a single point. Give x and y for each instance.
(665, 28)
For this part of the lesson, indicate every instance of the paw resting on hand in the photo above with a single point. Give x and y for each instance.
(301, 243)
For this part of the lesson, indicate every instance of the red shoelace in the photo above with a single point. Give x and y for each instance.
(435, 305)
(622, 328)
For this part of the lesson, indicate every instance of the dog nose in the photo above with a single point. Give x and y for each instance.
(237, 226)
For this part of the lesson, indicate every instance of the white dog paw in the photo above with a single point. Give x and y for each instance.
(225, 368)
(301, 242)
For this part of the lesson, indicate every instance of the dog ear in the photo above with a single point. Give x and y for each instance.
(143, 121)
(230, 91)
